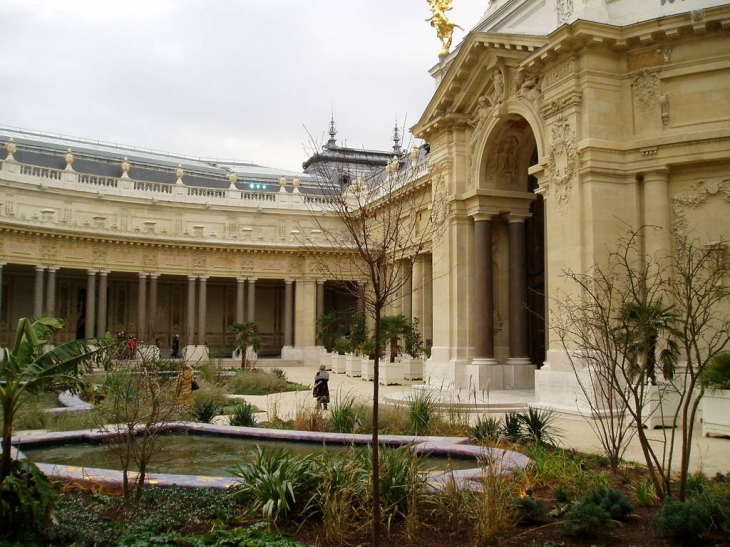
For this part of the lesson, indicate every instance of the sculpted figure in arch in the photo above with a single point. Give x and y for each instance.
(439, 21)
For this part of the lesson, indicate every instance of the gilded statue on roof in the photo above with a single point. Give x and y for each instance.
(439, 21)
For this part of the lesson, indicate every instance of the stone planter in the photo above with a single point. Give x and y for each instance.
(367, 370)
(412, 369)
(716, 412)
(325, 358)
(390, 373)
(338, 363)
(662, 405)
(353, 365)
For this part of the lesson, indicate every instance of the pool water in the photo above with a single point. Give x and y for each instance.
(182, 454)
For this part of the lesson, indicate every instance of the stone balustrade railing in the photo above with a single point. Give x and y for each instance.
(125, 187)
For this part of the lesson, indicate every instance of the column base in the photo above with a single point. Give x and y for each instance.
(308, 355)
(194, 355)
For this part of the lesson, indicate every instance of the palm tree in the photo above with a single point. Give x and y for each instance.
(328, 329)
(30, 365)
(392, 327)
(647, 323)
(243, 336)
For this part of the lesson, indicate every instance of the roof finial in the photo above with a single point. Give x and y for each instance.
(332, 143)
(396, 138)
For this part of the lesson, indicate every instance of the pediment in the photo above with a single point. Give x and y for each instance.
(468, 77)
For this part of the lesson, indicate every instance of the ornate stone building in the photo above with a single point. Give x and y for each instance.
(555, 126)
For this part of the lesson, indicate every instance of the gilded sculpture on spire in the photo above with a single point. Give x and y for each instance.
(439, 21)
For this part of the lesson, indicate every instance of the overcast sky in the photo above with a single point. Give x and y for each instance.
(229, 79)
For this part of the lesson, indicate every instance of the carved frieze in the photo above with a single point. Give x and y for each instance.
(646, 59)
(560, 71)
(562, 160)
(296, 265)
(694, 197)
(49, 251)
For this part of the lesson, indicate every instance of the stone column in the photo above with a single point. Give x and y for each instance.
(410, 289)
(90, 303)
(288, 305)
(240, 293)
(517, 291)
(361, 296)
(251, 316)
(319, 306)
(102, 312)
(51, 291)
(142, 308)
(483, 296)
(657, 209)
(427, 325)
(38, 293)
(1, 286)
(202, 309)
(152, 307)
(190, 319)
(417, 290)
(305, 326)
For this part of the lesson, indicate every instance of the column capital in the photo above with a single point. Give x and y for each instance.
(481, 216)
(51, 268)
(203, 278)
(659, 173)
(104, 273)
(91, 272)
(143, 275)
(155, 275)
(41, 268)
(321, 281)
(192, 277)
(289, 281)
(252, 279)
(240, 280)
(517, 217)
(3, 264)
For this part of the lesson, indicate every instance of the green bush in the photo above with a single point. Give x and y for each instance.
(243, 415)
(538, 426)
(486, 428)
(683, 521)
(278, 373)
(256, 382)
(421, 412)
(614, 501)
(277, 484)
(205, 411)
(26, 499)
(587, 519)
(645, 493)
(528, 509)
(511, 429)
(345, 414)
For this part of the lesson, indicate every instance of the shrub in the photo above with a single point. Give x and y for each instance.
(683, 521)
(538, 426)
(278, 373)
(205, 411)
(277, 484)
(243, 415)
(256, 382)
(486, 428)
(616, 504)
(586, 519)
(26, 499)
(421, 411)
(645, 492)
(511, 429)
(528, 509)
(345, 414)
(342, 345)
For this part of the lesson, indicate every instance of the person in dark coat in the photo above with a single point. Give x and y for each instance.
(176, 347)
(321, 391)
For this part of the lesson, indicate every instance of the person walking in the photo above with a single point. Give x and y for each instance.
(321, 391)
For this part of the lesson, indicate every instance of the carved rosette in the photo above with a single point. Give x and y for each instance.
(695, 196)
(562, 160)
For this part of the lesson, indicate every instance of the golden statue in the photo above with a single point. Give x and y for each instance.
(439, 21)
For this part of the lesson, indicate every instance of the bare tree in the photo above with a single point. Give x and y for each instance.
(629, 316)
(382, 222)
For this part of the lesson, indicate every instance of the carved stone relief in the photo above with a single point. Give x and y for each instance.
(527, 86)
(498, 93)
(645, 87)
(439, 208)
(49, 251)
(99, 254)
(149, 261)
(198, 262)
(296, 265)
(695, 196)
(562, 160)
(246, 263)
(564, 9)
(560, 71)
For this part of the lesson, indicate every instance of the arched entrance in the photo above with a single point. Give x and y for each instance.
(507, 201)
